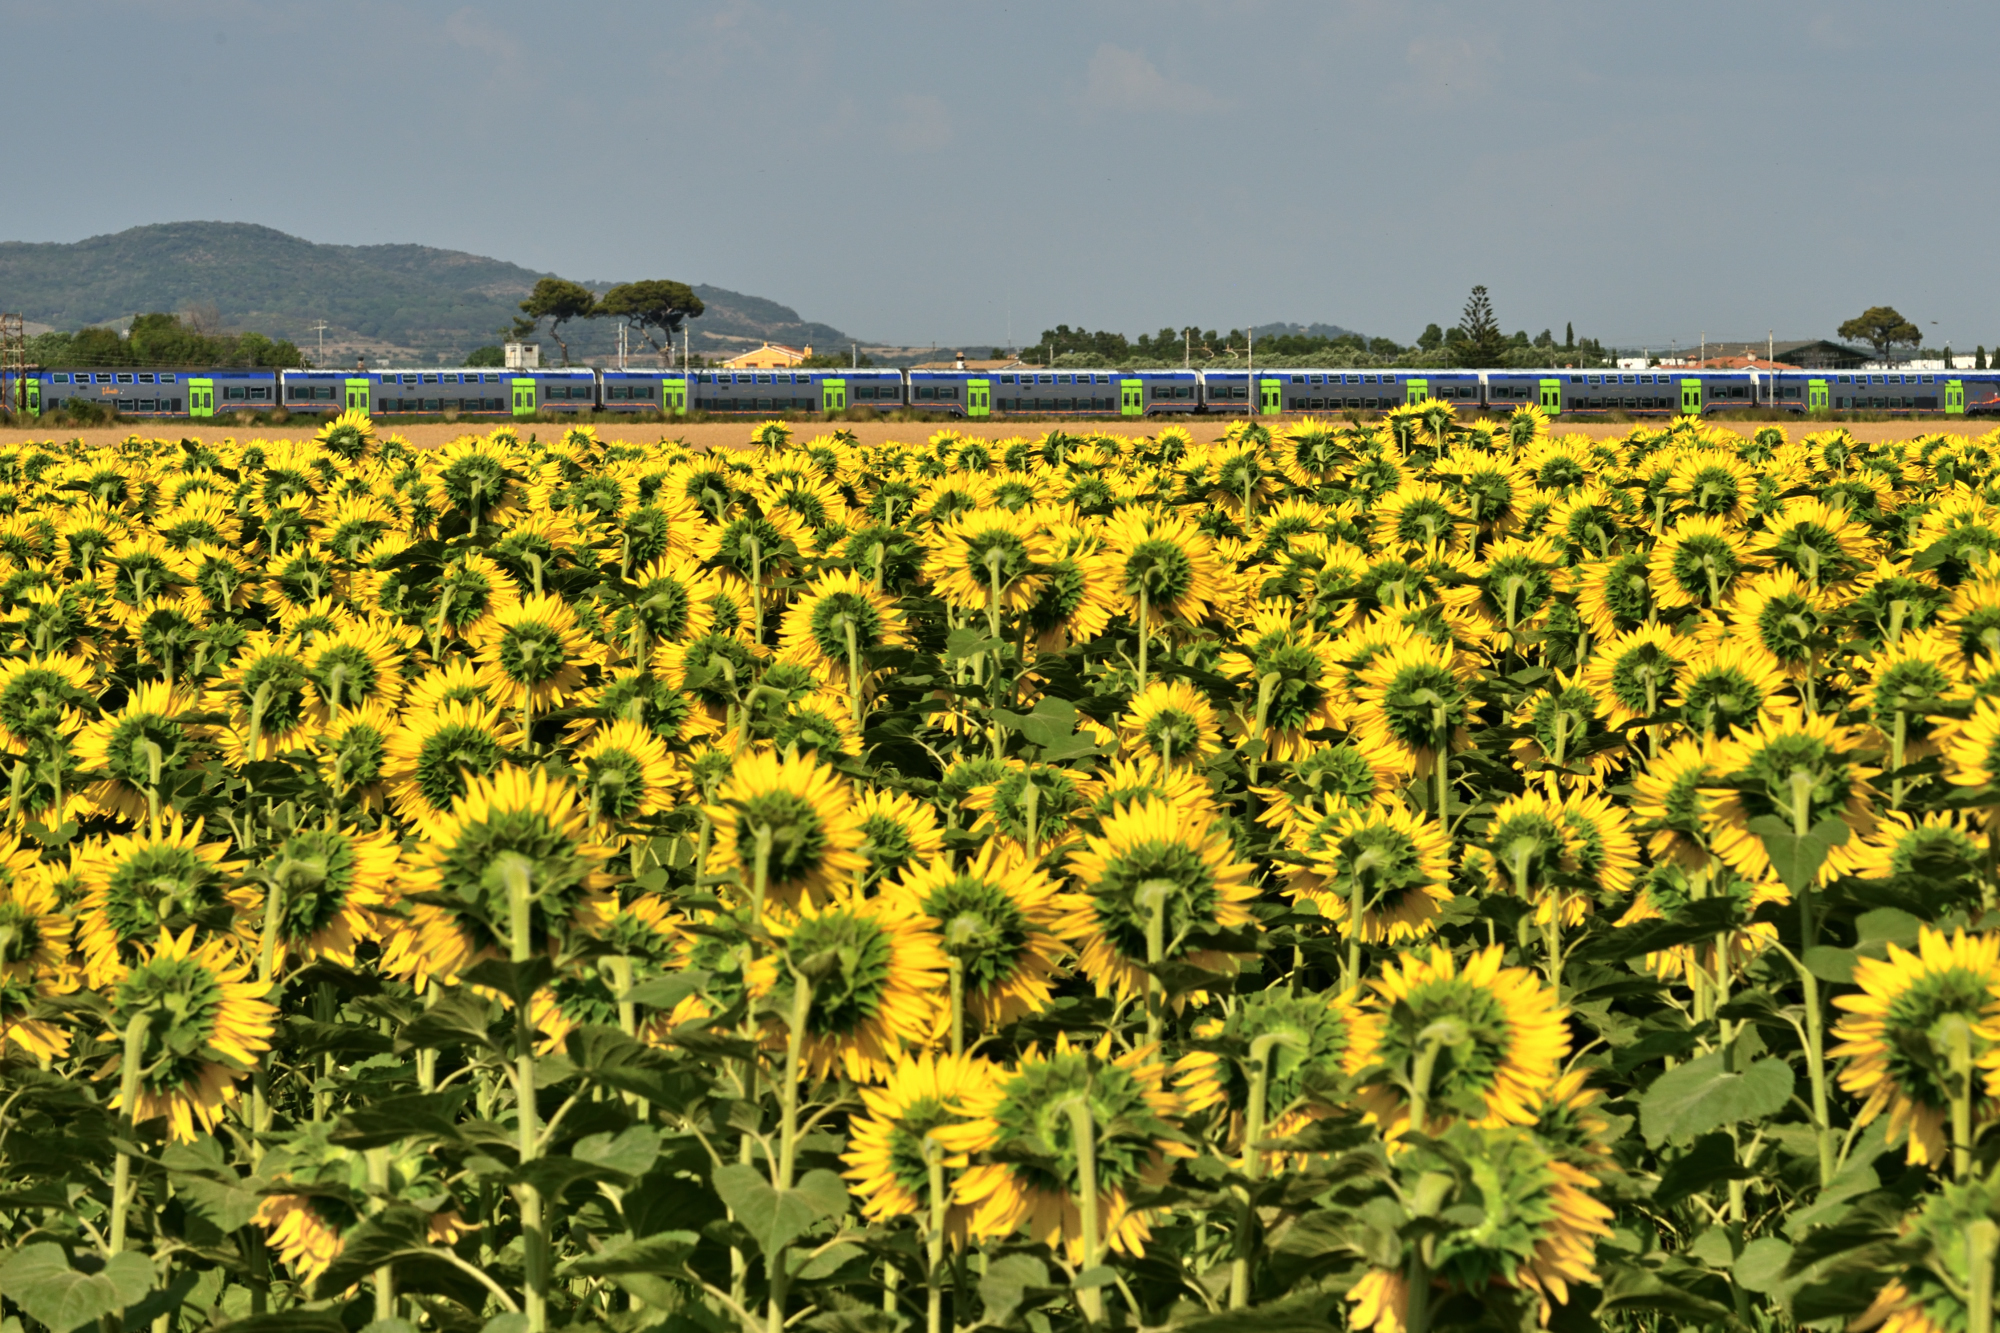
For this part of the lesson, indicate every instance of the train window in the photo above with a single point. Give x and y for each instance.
(1927, 379)
(167, 377)
(59, 378)
(1046, 379)
(124, 379)
(1631, 379)
(146, 378)
(1576, 379)
(1298, 379)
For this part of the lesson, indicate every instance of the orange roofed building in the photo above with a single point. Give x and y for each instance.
(771, 356)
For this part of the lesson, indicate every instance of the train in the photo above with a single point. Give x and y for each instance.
(195, 394)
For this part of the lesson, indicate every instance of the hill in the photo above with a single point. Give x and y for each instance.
(398, 303)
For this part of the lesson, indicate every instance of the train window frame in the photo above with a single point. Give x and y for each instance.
(124, 377)
(169, 377)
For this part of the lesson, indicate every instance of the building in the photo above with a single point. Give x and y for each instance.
(960, 362)
(771, 356)
(1805, 353)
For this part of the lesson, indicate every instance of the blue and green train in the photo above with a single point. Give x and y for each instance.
(195, 394)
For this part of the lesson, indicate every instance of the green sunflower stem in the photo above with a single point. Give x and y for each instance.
(534, 1238)
(1441, 725)
(788, 1136)
(934, 1242)
(1802, 786)
(258, 704)
(756, 589)
(1154, 898)
(153, 761)
(1898, 742)
(385, 1276)
(130, 1068)
(1982, 1240)
(1143, 617)
(1031, 809)
(1083, 1132)
(1267, 689)
(1356, 898)
(1898, 609)
(957, 1005)
(1964, 1088)
(853, 668)
(1253, 1163)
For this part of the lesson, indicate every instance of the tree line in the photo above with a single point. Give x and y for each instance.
(654, 304)
(160, 339)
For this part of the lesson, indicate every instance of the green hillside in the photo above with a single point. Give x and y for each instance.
(393, 301)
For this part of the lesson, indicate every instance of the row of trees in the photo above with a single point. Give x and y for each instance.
(164, 340)
(655, 304)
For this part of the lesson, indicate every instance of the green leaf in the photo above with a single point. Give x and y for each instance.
(459, 1018)
(969, 642)
(1006, 1282)
(631, 1153)
(1885, 926)
(776, 1218)
(1700, 1095)
(517, 981)
(432, 1115)
(666, 992)
(1829, 964)
(41, 1282)
(1797, 859)
(292, 1321)
(664, 1254)
(1710, 1161)
(1761, 1266)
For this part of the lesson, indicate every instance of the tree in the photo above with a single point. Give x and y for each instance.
(656, 303)
(1431, 338)
(486, 356)
(1545, 339)
(558, 301)
(1881, 327)
(1484, 343)
(1569, 335)
(1979, 357)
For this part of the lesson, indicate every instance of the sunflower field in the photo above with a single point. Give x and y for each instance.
(1411, 876)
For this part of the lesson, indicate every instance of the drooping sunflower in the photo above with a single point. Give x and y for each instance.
(1420, 515)
(1941, 847)
(515, 842)
(1134, 781)
(265, 693)
(1728, 689)
(204, 1025)
(41, 695)
(1154, 863)
(789, 822)
(1033, 806)
(1800, 768)
(359, 663)
(1615, 595)
(894, 1150)
(1941, 1268)
(1632, 675)
(1172, 721)
(983, 555)
(1305, 1045)
(1496, 1032)
(353, 754)
(431, 756)
(470, 593)
(1784, 615)
(1697, 562)
(1295, 673)
(997, 921)
(838, 620)
(1413, 703)
(1913, 683)
(897, 830)
(1395, 862)
(1823, 544)
(328, 887)
(1027, 1118)
(1160, 567)
(140, 749)
(533, 656)
(877, 978)
(626, 774)
(138, 885)
(1899, 1060)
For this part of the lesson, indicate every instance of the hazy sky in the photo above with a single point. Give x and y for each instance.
(913, 171)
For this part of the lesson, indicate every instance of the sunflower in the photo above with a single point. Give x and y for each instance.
(997, 920)
(1930, 1295)
(1941, 847)
(1172, 721)
(1712, 484)
(1615, 595)
(1823, 544)
(138, 885)
(1891, 597)
(897, 830)
(1794, 766)
(513, 852)
(1135, 781)
(1295, 671)
(430, 758)
(626, 774)
(790, 823)
(353, 754)
(875, 976)
(1529, 847)
(1567, 741)
(1032, 806)
(1631, 674)
(1156, 874)
(266, 695)
(1413, 703)
(327, 886)
(359, 663)
(1914, 682)
(350, 437)
(1696, 563)
(1027, 1118)
(989, 555)
(1420, 515)
(1728, 689)
(893, 1150)
(1304, 1044)
(1160, 567)
(838, 621)
(204, 1026)
(1392, 861)
(139, 749)
(1495, 1036)
(669, 602)
(1899, 1059)
(43, 695)
(1512, 590)
(1783, 615)
(533, 656)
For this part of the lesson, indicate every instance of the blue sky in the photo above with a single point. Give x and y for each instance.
(914, 171)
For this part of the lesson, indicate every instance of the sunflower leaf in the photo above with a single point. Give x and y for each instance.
(1701, 1095)
(1797, 859)
(1709, 1162)
(773, 1217)
(41, 1281)
(517, 981)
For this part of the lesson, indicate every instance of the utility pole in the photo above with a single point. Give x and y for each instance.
(320, 329)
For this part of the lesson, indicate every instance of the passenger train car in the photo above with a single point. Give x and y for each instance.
(1018, 391)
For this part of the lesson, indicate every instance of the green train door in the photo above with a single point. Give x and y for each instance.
(201, 398)
(674, 395)
(1417, 392)
(833, 395)
(31, 397)
(1552, 397)
(1954, 398)
(1690, 398)
(978, 398)
(1132, 398)
(357, 396)
(524, 398)
(1816, 396)
(1270, 397)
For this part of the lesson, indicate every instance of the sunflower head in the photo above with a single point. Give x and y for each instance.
(787, 827)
